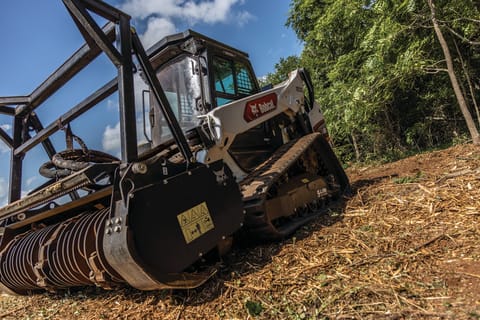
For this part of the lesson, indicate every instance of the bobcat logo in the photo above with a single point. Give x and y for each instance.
(257, 108)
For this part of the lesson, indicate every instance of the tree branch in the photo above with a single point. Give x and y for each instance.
(473, 43)
(458, 19)
(433, 70)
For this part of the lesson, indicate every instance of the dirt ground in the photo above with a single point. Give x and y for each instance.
(405, 245)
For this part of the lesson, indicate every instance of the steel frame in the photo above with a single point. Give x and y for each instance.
(98, 40)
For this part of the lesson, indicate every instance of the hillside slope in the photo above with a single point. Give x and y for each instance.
(406, 245)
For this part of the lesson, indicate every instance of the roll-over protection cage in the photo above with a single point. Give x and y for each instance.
(98, 40)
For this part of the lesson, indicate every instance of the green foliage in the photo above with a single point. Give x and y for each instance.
(376, 66)
(254, 308)
(282, 69)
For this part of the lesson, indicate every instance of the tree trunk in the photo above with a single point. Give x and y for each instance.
(469, 82)
(453, 78)
(355, 147)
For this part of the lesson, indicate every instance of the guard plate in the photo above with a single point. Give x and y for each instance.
(195, 222)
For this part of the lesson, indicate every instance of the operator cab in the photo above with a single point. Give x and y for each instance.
(198, 74)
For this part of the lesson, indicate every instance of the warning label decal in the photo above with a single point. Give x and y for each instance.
(195, 222)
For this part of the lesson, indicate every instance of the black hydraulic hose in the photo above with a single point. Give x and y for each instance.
(68, 161)
(77, 159)
(48, 170)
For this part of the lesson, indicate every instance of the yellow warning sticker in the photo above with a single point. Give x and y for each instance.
(195, 222)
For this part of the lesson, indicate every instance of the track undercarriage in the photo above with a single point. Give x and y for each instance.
(292, 187)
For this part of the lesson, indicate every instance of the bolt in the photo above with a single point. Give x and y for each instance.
(140, 168)
(223, 237)
(108, 231)
(200, 254)
(117, 229)
(21, 216)
(109, 222)
(244, 211)
(131, 195)
(118, 220)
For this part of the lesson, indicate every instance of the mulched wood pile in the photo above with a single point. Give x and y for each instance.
(405, 245)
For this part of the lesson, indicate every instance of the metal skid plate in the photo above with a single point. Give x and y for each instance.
(168, 225)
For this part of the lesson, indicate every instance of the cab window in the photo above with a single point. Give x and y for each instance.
(182, 89)
(233, 80)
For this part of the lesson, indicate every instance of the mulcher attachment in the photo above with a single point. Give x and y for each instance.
(58, 256)
(162, 226)
(157, 227)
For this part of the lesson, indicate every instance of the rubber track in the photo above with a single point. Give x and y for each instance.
(256, 185)
(255, 189)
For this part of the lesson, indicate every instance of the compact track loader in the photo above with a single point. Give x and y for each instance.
(218, 155)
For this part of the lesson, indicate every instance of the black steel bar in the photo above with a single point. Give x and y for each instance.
(5, 101)
(58, 188)
(47, 145)
(15, 191)
(161, 98)
(128, 130)
(78, 202)
(7, 110)
(90, 27)
(86, 36)
(6, 138)
(105, 10)
(85, 105)
(64, 73)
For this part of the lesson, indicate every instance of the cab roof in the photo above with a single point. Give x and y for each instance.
(187, 41)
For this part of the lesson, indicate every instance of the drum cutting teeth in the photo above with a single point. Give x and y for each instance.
(59, 256)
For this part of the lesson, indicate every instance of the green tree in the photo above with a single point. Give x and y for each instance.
(377, 69)
(452, 75)
(282, 69)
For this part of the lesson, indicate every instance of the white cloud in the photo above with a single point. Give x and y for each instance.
(111, 142)
(112, 105)
(6, 127)
(157, 28)
(31, 180)
(25, 193)
(244, 17)
(4, 148)
(161, 14)
(209, 11)
(3, 191)
(111, 139)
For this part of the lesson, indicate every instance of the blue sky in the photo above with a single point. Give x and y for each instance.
(38, 36)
